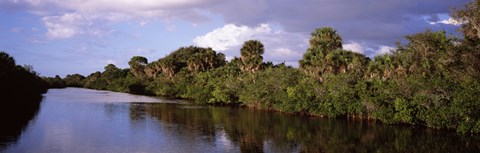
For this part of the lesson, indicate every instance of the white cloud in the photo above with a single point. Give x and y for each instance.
(284, 52)
(70, 25)
(279, 45)
(355, 47)
(230, 35)
(449, 21)
(65, 18)
(385, 50)
(281, 54)
(117, 5)
(65, 26)
(121, 10)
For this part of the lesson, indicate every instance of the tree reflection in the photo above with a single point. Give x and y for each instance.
(15, 115)
(254, 131)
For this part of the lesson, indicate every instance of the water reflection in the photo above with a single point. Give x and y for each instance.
(69, 123)
(15, 115)
(260, 131)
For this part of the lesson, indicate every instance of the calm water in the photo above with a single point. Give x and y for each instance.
(80, 120)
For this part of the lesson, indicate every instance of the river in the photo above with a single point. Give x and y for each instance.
(76, 120)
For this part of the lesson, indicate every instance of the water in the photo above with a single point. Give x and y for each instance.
(81, 120)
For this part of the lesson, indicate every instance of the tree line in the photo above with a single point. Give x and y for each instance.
(430, 80)
(17, 82)
(21, 91)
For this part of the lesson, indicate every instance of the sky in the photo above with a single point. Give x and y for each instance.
(60, 37)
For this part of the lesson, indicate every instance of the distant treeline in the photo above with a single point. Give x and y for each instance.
(431, 80)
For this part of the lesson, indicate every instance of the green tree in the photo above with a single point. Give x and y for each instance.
(112, 72)
(7, 62)
(428, 53)
(55, 82)
(469, 15)
(95, 81)
(152, 69)
(343, 61)
(268, 89)
(137, 65)
(74, 80)
(322, 42)
(168, 67)
(18, 83)
(191, 59)
(327, 39)
(251, 56)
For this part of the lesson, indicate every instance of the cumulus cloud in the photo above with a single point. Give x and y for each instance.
(279, 45)
(355, 47)
(230, 35)
(385, 50)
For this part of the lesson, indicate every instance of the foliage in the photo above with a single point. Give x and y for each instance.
(251, 56)
(18, 85)
(74, 80)
(323, 42)
(268, 89)
(137, 65)
(55, 82)
(470, 17)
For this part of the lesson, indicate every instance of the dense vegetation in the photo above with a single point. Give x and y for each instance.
(19, 81)
(431, 80)
(20, 91)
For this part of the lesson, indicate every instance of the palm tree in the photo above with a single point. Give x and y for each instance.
(195, 63)
(382, 66)
(209, 57)
(323, 41)
(168, 67)
(251, 56)
(326, 39)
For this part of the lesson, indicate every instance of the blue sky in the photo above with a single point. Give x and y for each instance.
(82, 36)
